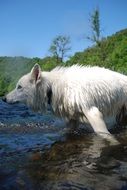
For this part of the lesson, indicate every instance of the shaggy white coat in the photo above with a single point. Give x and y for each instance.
(84, 94)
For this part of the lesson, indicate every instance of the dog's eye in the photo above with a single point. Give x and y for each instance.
(19, 87)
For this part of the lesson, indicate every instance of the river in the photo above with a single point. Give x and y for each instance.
(37, 152)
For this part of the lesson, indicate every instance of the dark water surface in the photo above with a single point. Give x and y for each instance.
(37, 152)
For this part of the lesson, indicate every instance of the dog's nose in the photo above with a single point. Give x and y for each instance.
(4, 99)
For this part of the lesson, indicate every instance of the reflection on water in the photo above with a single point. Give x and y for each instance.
(39, 154)
(78, 163)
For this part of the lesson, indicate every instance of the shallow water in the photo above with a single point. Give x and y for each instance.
(38, 152)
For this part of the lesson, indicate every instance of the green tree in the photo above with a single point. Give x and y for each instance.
(60, 47)
(95, 27)
(96, 36)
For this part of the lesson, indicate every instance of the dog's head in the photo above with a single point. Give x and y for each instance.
(27, 89)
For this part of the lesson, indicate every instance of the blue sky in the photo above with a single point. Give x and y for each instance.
(27, 27)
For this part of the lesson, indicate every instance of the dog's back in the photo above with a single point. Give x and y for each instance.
(80, 88)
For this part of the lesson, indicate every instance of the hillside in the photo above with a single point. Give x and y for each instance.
(12, 68)
(112, 53)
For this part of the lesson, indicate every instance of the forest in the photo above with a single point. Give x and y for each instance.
(110, 53)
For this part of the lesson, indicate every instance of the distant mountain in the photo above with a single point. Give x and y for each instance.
(12, 68)
(111, 53)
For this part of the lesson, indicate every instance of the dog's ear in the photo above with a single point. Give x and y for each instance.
(36, 73)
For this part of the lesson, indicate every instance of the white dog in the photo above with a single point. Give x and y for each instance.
(76, 93)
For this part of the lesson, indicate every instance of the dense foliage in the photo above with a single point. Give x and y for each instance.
(111, 53)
